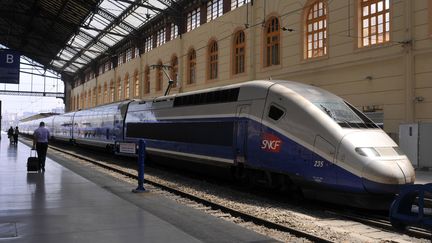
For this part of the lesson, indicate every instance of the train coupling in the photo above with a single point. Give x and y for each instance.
(412, 207)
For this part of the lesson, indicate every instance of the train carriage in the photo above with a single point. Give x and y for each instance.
(62, 126)
(100, 126)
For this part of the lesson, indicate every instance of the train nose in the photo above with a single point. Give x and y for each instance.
(386, 176)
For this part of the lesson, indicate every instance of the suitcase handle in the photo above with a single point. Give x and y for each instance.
(35, 152)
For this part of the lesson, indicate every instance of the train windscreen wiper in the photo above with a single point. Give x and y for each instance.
(327, 111)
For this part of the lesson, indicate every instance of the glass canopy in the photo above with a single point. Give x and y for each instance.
(110, 23)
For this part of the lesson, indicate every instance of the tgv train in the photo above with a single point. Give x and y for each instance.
(278, 133)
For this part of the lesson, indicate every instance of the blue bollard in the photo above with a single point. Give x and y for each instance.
(411, 207)
(141, 160)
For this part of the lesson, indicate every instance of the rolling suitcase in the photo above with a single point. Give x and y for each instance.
(32, 162)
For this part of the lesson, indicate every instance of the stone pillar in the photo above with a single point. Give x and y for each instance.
(67, 81)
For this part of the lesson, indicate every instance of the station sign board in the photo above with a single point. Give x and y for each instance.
(9, 66)
(127, 148)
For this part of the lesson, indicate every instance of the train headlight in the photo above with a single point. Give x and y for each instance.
(367, 151)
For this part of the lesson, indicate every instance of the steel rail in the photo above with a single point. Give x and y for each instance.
(382, 223)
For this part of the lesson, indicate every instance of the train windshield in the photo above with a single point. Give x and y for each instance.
(335, 107)
(345, 114)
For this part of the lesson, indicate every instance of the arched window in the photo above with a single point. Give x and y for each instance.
(174, 70)
(316, 29)
(126, 86)
(112, 91)
(105, 94)
(374, 22)
(119, 89)
(146, 80)
(212, 60)
(136, 84)
(159, 76)
(239, 52)
(272, 42)
(191, 74)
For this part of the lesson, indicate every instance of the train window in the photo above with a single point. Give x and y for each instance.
(275, 113)
(220, 96)
(345, 115)
(366, 121)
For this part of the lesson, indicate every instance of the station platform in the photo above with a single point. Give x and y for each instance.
(68, 203)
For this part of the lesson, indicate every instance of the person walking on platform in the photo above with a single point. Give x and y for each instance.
(15, 135)
(10, 134)
(40, 143)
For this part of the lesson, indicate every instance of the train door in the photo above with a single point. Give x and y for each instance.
(241, 134)
(322, 164)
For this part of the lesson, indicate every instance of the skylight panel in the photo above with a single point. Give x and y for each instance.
(99, 22)
(58, 63)
(79, 42)
(108, 40)
(91, 32)
(119, 30)
(134, 21)
(70, 50)
(98, 48)
(66, 55)
(71, 40)
(157, 4)
(72, 69)
(91, 54)
(114, 7)
(140, 13)
(82, 60)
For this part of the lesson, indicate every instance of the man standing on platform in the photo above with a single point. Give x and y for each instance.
(40, 142)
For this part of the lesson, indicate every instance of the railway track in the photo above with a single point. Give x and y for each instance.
(373, 221)
(382, 222)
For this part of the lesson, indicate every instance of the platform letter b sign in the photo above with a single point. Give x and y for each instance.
(9, 66)
(9, 58)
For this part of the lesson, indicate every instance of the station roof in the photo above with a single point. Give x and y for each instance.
(66, 35)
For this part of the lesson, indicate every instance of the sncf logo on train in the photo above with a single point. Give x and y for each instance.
(271, 143)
